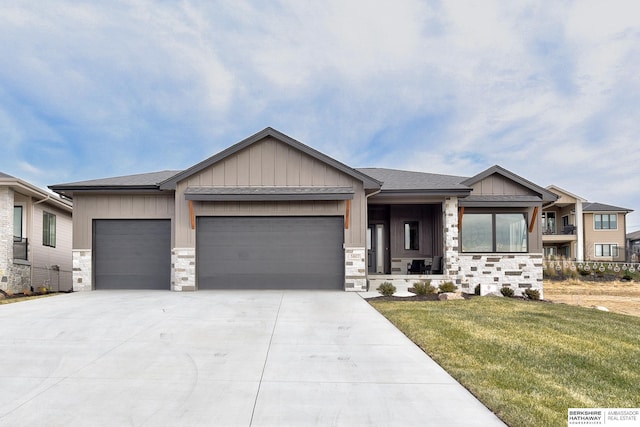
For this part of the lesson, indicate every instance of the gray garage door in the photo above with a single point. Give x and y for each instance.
(270, 253)
(132, 254)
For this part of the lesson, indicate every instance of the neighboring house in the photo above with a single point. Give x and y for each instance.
(633, 246)
(575, 229)
(273, 213)
(35, 238)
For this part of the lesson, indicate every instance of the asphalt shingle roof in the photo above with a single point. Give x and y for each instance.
(138, 180)
(601, 207)
(394, 179)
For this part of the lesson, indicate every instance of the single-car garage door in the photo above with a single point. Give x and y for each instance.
(132, 254)
(270, 252)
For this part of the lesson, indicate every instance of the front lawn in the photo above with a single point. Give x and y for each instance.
(528, 361)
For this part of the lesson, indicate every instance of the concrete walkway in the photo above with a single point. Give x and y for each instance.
(219, 358)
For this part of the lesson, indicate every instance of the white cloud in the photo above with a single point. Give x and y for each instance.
(548, 89)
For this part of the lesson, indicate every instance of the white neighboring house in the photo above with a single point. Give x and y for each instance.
(35, 238)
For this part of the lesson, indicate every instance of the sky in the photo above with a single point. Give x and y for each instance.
(549, 90)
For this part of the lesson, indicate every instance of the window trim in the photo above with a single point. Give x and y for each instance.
(494, 242)
(611, 246)
(49, 229)
(608, 215)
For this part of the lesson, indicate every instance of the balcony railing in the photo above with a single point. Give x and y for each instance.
(20, 248)
(567, 229)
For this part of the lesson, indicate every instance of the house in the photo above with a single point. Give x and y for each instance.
(633, 246)
(272, 213)
(575, 229)
(35, 238)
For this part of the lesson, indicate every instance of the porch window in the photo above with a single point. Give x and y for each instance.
(495, 232)
(411, 236)
(48, 229)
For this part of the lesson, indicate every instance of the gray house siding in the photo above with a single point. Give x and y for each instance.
(270, 163)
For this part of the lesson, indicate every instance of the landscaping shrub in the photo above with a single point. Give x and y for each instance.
(387, 289)
(507, 292)
(476, 290)
(533, 294)
(423, 288)
(447, 287)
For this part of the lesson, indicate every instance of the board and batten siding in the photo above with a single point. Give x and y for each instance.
(498, 185)
(271, 163)
(88, 207)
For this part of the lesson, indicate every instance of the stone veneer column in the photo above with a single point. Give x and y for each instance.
(450, 267)
(6, 233)
(82, 270)
(355, 269)
(183, 269)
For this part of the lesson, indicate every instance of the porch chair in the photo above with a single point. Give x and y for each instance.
(436, 266)
(417, 266)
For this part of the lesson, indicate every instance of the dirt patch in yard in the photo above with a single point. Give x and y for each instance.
(617, 296)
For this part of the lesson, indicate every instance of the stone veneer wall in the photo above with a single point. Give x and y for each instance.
(516, 271)
(82, 270)
(6, 233)
(183, 269)
(450, 263)
(355, 269)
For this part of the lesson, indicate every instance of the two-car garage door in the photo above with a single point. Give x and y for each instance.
(232, 253)
(270, 252)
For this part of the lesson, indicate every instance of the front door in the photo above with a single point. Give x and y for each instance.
(376, 248)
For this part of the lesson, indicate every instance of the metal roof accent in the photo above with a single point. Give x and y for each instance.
(268, 193)
(500, 201)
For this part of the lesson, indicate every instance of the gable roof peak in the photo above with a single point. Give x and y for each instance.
(170, 184)
(546, 195)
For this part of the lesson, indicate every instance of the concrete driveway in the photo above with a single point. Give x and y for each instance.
(219, 358)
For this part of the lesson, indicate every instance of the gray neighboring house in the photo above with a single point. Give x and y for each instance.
(633, 246)
(35, 238)
(272, 213)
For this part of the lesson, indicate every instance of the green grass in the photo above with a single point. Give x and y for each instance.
(528, 361)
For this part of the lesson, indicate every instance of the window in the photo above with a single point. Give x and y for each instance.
(549, 222)
(497, 232)
(48, 229)
(411, 236)
(607, 250)
(606, 221)
(17, 223)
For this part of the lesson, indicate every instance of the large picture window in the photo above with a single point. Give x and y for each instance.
(494, 232)
(48, 229)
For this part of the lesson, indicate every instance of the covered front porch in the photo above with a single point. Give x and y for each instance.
(405, 244)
